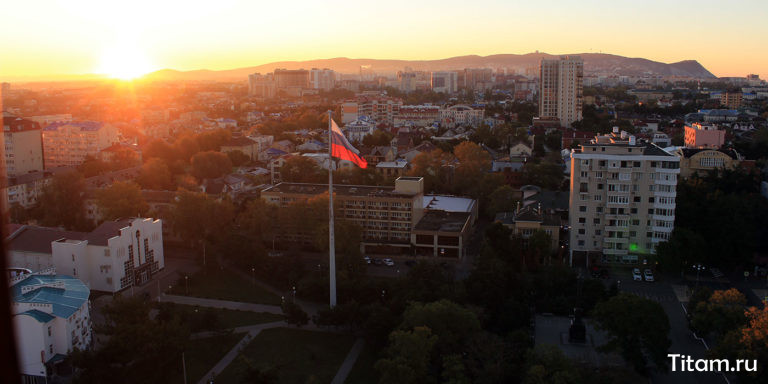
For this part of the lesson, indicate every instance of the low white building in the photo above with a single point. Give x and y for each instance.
(461, 115)
(358, 129)
(114, 256)
(51, 317)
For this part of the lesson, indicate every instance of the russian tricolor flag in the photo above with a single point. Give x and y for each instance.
(342, 149)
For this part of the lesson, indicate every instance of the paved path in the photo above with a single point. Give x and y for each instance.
(224, 304)
(349, 362)
(308, 307)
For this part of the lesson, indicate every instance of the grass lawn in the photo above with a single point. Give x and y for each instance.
(202, 354)
(225, 286)
(363, 372)
(228, 318)
(299, 356)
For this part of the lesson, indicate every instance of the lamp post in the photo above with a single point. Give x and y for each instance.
(294, 293)
(186, 284)
(698, 268)
(253, 273)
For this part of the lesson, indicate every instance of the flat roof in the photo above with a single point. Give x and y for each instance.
(448, 203)
(442, 221)
(345, 190)
(66, 298)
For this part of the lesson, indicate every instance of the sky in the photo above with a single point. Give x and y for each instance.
(42, 38)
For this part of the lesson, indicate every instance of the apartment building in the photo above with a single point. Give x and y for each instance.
(461, 115)
(23, 146)
(417, 115)
(68, 143)
(114, 256)
(561, 89)
(444, 82)
(51, 317)
(698, 135)
(291, 78)
(381, 109)
(262, 86)
(622, 198)
(324, 79)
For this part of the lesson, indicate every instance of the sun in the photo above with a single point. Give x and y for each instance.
(124, 61)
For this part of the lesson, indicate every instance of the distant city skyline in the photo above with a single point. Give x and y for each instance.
(56, 37)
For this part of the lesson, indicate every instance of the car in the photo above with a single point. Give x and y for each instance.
(367, 259)
(648, 275)
(636, 276)
(389, 263)
(377, 261)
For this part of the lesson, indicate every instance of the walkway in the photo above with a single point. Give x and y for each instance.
(308, 307)
(223, 304)
(349, 362)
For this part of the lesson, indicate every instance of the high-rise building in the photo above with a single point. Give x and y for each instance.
(23, 146)
(478, 79)
(69, 143)
(445, 82)
(324, 79)
(406, 81)
(622, 200)
(261, 85)
(291, 78)
(560, 89)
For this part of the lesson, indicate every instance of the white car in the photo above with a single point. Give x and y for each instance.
(389, 262)
(367, 259)
(648, 275)
(636, 276)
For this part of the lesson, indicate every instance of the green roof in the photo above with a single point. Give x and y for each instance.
(40, 316)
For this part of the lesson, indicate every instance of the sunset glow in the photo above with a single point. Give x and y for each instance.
(124, 61)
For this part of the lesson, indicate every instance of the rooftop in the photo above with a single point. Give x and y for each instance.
(344, 190)
(443, 221)
(65, 293)
(448, 203)
(83, 125)
(31, 238)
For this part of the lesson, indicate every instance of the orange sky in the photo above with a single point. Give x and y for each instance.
(56, 37)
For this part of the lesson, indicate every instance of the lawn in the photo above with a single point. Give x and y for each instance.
(299, 356)
(364, 372)
(224, 286)
(227, 318)
(202, 354)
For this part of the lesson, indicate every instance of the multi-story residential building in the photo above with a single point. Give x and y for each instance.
(731, 100)
(44, 120)
(69, 143)
(243, 144)
(51, 316)
(478, 79)
(417, 115)
(381, 109)
(23, 146)
(392, 169)
(622, 198)
(406, 81)
(560, 89)
(114, 256)
(291, 78)
(700, 161)
(262, 86)
(324, 79)
(699, 135)
(444, 82)
(461, 115)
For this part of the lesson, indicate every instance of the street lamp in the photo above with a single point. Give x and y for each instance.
(698, 268)
(186, 284)
(294, 293)
(253, 273)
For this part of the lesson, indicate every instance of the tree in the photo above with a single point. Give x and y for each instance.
(433, 167)
(138, 347)
(196, 217)
(547, 364)
(721, 312)
(155, 175)
(92, 166)
(407, 357)
(159, 149)
(238, 158)
(636, 327)
(301, 169)
(185, 148)
(502, 199)
(62, 203)
(121, 200)
(210, 165)
(294, 314)
(377, 138)
(453, 325)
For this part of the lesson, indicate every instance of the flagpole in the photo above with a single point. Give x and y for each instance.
(331, 241)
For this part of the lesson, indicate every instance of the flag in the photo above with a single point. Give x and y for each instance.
(342, 149)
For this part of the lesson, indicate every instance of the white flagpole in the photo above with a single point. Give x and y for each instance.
(331, 241)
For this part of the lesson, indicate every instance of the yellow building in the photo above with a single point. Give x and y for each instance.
(68, 143)
(23, 146)
(701, 161)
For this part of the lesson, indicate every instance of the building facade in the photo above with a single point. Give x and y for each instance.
(323, 79)
(23, 146)
(699, 135)
(51, 316)
(461, 115)
(444, 82)
(115, 256)
(561, 89)
(69, 143)
(701, 161)
(262, 86)
(622, 198)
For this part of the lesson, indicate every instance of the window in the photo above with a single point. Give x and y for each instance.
(632, 233)
(582, 220)
(598, 232)
(633, 211)
(583, 187)
(599, 209)
(596, 220)
(582, 208)
(614, 199)
(581, 242)
(601, 163)
(598, 197)
(649, 234)
(582, 231)
(636, 199)
(600, 186)
(650, 211)
(635, 222)
(650, 200)
(49, 331)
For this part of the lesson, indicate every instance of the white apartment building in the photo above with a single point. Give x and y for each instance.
(458, 115)
(561, 89)
(23, 146)
(51, 317)
(114, 256)
(358, 129)
(622, 200)
(445, 82)
(68, 143)
(324, 79)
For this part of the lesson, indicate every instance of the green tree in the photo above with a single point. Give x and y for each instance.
(454, 325)
(301, 169)
(238, 158)
(377, 138)
(210, 165)
(121, 200)
(636, 327)
(548, 365)
(62, 203)
(721, 312)
(198, 218)
(502, 199)
(155, 175)
(407, 357)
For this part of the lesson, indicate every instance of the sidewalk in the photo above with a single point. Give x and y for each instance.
(223, 304)
(349, 362)
(308, 307)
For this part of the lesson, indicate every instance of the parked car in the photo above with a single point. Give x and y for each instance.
(648, 274)
(367, 259)
(377, 261)
(636, 276)
(389, 262)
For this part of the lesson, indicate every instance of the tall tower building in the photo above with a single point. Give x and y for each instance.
(622, 201)
(561, 89)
